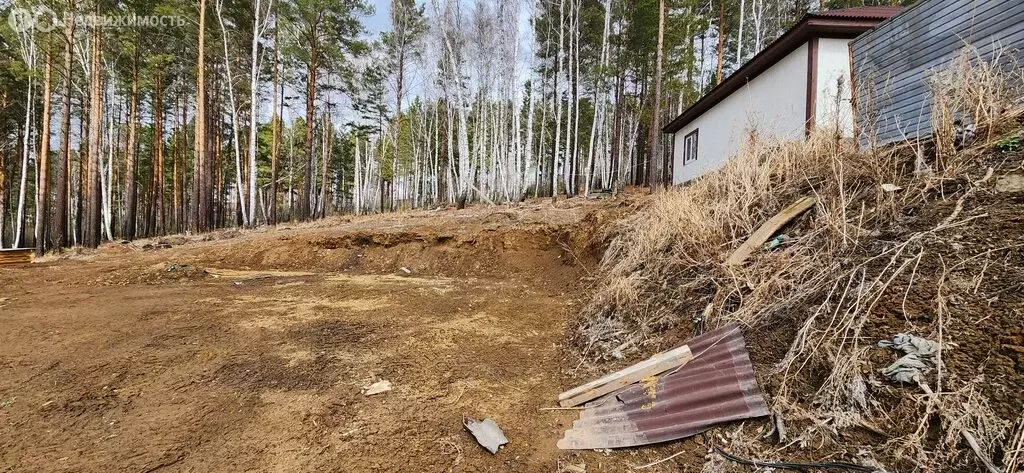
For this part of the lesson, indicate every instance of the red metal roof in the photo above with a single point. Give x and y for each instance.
(717, 386)
(872, 13)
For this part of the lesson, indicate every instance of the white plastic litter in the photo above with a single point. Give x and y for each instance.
(487, 433)
(379, 387)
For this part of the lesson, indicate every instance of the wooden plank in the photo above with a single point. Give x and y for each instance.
(16, 256)
(652, 366)
(676, 352)
(767, 229)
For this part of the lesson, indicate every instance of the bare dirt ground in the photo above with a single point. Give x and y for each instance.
(247, 350)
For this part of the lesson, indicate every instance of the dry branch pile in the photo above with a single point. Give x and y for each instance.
(880, 253)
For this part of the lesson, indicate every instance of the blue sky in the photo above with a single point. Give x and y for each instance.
(379, 21)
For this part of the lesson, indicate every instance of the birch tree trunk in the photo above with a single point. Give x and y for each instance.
(464, 168)
(558, 101)
(106, 169)
(757, 13)
(235, 146)
(28, 51)
(739, 38)
(291, 174)
(599, 102)
(571, 101)
(571, 176)
(258, 28)
(721, 43)
(454, 187)
(528, 145)
(357, 193)
(437, 154)
(326, 152)
(19, 219)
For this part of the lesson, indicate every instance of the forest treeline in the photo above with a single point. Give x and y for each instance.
(136, 118)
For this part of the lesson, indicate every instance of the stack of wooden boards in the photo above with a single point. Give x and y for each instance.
(16, 256)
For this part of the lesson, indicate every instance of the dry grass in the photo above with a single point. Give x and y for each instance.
(1014, 448)
(974, 92)
(665, 265)
(961, 413)
(669, 258)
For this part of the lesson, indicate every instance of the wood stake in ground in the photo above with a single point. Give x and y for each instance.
(767, 229)
(650, 367)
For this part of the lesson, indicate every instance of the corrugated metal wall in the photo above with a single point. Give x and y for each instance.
(892, 64)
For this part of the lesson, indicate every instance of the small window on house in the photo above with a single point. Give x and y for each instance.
(690, 147)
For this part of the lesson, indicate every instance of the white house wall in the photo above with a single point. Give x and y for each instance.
(833, 99)
(774, 104)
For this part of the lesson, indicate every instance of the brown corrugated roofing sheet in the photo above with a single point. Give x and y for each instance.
(717, 386)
